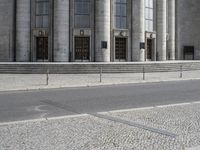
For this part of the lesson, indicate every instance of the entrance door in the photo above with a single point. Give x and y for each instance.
(120, 49)
(188, 53)
(82, 48)
(149, 50)
(42, 48)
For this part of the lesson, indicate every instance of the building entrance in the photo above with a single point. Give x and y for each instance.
(149, 49)
(82, 48)
(120, 49)
(42, 48)
(188, 53)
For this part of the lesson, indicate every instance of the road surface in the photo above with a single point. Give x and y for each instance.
(27, 105)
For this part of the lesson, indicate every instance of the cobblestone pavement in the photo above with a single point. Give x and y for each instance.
(172, 127)
(38, 81)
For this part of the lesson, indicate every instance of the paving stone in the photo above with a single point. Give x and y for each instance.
(92, 132)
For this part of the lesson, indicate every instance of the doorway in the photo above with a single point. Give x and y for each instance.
(120, 49)
(82, 48)
(188, 53)
(42, 48)
(150, 49)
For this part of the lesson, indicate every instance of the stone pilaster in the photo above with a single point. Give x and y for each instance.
(23, 22)
(61, 30)
(161, 29)
(102, 30)
(171, 29)
(138, 34)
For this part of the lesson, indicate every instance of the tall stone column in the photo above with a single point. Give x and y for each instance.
(102, 30)
(23, 23)
(138, 52)
(171, 28)
(161, 29)
(61, 30)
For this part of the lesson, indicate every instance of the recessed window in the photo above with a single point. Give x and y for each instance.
(149, 15)
(82, 13)
(42, 13)
(120, 14)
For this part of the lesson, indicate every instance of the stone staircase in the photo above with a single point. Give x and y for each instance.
(93, 68)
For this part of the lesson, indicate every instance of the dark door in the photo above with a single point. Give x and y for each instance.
(188, 53)
(120, 48)
(149, 49)
(42, 48)
(82, 48)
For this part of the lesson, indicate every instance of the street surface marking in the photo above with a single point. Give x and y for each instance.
(173, 105)
(68, 117)
(131, 109)
(148, 108)
(78, 115)
(43, 119)
(22, 121)
(38, 108)
(198, 102)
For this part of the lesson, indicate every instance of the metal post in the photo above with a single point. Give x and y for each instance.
(100, 74)
(143, 73)
(181, 71)
(47, 77)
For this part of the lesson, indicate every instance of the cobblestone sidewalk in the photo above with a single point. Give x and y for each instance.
(173, 127)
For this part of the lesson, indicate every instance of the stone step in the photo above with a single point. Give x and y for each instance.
(95, 68)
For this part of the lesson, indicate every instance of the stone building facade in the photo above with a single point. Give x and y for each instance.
(99, 30)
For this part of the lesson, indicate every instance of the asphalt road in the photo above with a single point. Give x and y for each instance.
(26, 105)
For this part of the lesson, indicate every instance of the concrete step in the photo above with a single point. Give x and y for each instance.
(91, 68)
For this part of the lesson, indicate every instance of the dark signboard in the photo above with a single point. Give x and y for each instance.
(142, 45)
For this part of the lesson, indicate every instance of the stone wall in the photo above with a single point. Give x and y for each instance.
(188, 26)
(6, 30)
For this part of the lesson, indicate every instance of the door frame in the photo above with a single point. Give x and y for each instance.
(37, 32)
(152, 36)
(41, 60)
(114, 44)
(77, 60)
(152, 49)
